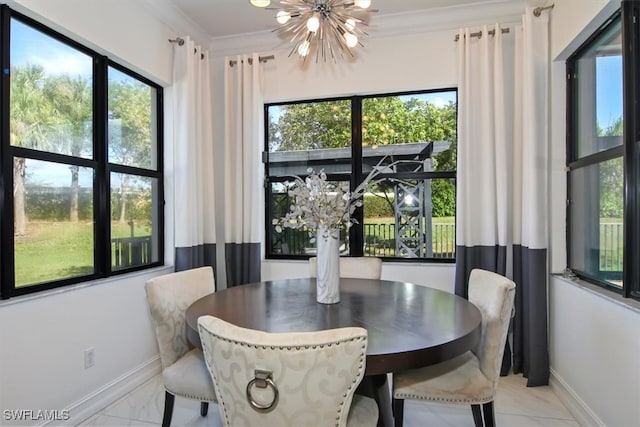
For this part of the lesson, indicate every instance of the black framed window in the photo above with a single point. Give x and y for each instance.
(603, 155)
(81, 162)
(409, 215)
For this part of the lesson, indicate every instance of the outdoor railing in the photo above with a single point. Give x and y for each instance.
(611, 246)
(380, 241)
(130, 251)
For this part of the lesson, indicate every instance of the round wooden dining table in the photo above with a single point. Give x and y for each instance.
(408, 326)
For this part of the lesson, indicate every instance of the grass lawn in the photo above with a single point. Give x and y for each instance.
(56, 250)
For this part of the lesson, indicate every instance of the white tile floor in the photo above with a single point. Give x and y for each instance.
(515, 405)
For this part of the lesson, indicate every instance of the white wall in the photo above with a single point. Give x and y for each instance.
(594, 354)
(594, 341)
(42, 337)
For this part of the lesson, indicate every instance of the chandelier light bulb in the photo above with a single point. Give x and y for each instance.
(350, 24)
(350, 39)
(303, 49)
(313, 24)
(260, 3)
(283, 17)
(363, 4)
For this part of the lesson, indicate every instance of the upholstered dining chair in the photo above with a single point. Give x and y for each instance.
(471, 378)
(287, 379)
(365, 267)
(184, 372)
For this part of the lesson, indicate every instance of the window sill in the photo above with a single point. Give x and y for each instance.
(71, 288)
(628, 303)
(385, 261)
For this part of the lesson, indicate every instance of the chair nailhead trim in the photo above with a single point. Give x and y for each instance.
(191, 396)
(408, 396)
(288, 347)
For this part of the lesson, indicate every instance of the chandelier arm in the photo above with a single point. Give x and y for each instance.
(338, 27)
(342, 44)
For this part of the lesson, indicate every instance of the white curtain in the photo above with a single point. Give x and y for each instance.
(484, 114)
(193, 158)
(244, 144)
(502, 176)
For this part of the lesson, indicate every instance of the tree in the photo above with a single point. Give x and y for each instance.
(612, 177)
(129, 130)
(385, 121)
(312, 126)
(71, 102)
(389, 120)
(29, 113)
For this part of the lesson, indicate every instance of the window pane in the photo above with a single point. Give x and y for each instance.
(411, 219)
(415, 134)
(596, 221)
(132, 121)
(134, 221)
(53, 206)
(290, 241)
(410, 127)
(599, 94)
(316, 135)
(51, 97)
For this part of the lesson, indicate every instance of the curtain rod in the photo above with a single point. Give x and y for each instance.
(180, 42)
(479, 34)
(260, 58)
(536, 12)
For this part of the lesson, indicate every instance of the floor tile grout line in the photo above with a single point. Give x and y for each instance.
(535, 416)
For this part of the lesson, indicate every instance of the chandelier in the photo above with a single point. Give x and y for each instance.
(326, 28)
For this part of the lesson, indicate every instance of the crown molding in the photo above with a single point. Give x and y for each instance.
(174, 18)
(448, 18)
(384, 26)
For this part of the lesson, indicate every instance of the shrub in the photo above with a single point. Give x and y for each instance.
(378, 206)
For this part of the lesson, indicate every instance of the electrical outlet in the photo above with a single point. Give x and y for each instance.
(89, 358)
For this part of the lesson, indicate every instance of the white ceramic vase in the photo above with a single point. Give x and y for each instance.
(328, 257)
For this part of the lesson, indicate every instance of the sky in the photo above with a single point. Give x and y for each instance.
(29, 46)
(439, 99)
(608, 90)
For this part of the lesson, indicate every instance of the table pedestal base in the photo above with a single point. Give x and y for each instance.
(377, 387)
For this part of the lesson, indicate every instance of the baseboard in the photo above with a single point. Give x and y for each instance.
(578, 408)
(109, 393)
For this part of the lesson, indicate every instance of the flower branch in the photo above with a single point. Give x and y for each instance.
(320, 204)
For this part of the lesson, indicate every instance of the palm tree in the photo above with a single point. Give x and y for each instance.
(71, 100)
(28, 115)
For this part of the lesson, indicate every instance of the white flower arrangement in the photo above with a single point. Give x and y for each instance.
(319, 204)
